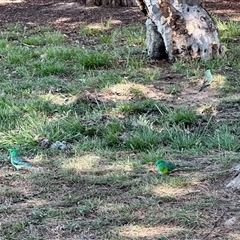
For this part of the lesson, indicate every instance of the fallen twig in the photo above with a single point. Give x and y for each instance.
(214, 225)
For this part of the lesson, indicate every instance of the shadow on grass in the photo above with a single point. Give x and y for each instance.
(106, 186)
(89, 197)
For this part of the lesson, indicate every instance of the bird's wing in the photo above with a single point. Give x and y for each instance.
(19, 161)
(208, 78)
(170, 165)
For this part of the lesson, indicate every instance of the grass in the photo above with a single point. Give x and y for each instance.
(103, 99)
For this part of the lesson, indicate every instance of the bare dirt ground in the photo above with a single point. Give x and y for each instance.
(67, 15)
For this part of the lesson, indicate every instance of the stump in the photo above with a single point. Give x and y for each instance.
(182, 29)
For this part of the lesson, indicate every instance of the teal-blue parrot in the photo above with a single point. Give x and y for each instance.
(17, 161)
(165, 166)
(207, 80)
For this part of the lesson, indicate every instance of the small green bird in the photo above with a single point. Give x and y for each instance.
(207, 79)
(17, 161)
(165, 167)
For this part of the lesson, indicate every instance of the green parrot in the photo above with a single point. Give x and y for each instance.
(165, 167)
(17, 161)
(207, 79)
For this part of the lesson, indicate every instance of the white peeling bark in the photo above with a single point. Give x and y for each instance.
(235, 183)
(185, 28)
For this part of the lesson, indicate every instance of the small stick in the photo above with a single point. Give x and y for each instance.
(214, 226)
(158, 109)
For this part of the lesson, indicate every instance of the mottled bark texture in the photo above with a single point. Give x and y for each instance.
(155, 44)
(182, 29)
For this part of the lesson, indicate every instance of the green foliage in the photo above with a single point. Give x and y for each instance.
(182, 139)
(184, 116)
(92, 59)
(45, 38)
(106, 184)
(144, 106)
(229, 30)
(133, 34)
(144, 138)
(224, 139)
(88, 31)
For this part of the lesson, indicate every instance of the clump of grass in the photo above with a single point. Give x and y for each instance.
(65, 129)
(133, 35)
(182, 139)
(52, 67)
(223, 139)
(106, 39)
(185, 116)
(15, 27)
(45, 38)
(93, 60)
(229, 30)
(152, 156)
(144, 138)
(112, 132)
(137, 92)
(172, 89)
(105, 78)
(144, 106)
(88, 31)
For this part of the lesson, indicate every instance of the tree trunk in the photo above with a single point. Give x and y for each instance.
(182, 29)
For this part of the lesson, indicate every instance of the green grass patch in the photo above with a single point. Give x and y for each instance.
(45, 38)
(110, 105)
(229, 30)
(184, 116)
